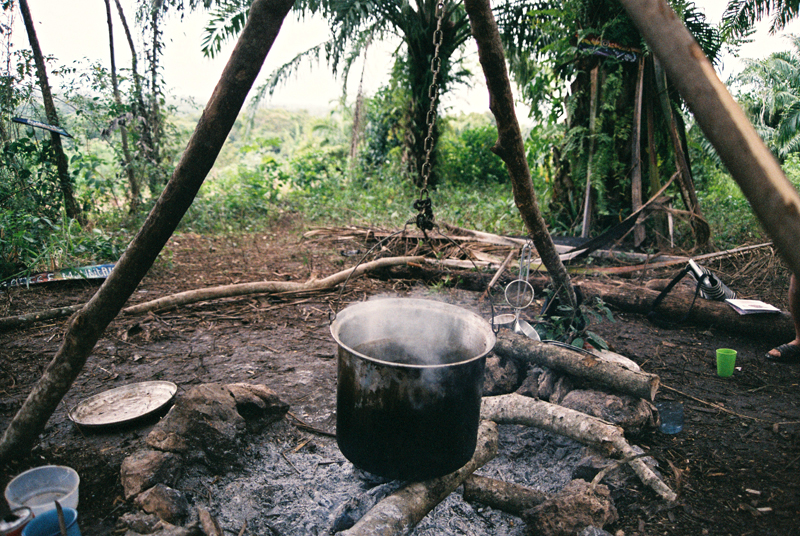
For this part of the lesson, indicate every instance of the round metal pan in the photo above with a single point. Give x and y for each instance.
(123, 404)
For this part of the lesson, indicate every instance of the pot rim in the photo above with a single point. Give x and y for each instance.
(491, 338)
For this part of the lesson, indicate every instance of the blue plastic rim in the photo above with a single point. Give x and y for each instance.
(46, 524)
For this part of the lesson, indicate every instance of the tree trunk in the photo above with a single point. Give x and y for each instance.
(578, 364)
(263, 23)
(587, 197)
(138, 108)
(402, 510)
(62, 167)
(509, 144)
(699, 225)
(133, 183)
(153, 114)
(636, 155)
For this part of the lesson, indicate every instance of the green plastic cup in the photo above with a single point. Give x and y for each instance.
(726, 359)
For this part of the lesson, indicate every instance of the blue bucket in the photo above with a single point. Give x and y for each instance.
(46, 524)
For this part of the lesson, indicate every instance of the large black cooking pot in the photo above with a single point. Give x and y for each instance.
(410, 380)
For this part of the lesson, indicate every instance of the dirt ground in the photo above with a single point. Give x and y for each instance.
(735, 466)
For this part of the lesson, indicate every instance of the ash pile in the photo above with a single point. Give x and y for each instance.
(232, 459)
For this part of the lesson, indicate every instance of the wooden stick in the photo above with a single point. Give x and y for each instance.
(11, 322)
(505, 496)
(240, 289)
(509, 146)
(402, 510)
(518, 409)
(499, 273)
(576, 363)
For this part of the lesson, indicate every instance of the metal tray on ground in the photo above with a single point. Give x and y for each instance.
(123, 404)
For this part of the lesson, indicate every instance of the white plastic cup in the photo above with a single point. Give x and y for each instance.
(40, 487)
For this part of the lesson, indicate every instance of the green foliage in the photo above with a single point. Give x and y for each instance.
(571, 326)
(769, 91)
(466, 156)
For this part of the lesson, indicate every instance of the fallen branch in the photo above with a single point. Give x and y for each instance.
(610, 439)
(726, 410)
(402, 510)
(11, 322)
(261, 287)
(577, 363)
(672, 261)
(498, 273)
(505, 496)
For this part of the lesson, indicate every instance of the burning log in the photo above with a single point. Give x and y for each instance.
(576, 363)
(518, 409)
(401, 511)
(505, 496)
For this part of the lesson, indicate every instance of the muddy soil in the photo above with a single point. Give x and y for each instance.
(735, 465)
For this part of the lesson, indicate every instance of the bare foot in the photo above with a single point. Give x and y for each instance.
(786, 353)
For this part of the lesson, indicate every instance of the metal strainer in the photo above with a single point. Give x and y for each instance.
(519, 294)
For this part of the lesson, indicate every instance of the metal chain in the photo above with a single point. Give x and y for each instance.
(423, 203)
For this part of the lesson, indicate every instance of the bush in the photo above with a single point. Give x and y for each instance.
(466, 157)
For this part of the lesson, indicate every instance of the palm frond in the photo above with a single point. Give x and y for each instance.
(226, 23)
(290, 68)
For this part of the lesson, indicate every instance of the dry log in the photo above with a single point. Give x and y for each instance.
(11, 322)
(401, 511)
(707, 313)
(241, 289)
(505, 496)
(637, 299)
(610, 439)
(576, 363)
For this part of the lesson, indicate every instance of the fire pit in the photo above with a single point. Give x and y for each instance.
(410, 378)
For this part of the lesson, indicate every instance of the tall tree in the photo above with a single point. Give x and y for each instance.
(354, 24)
(770, 95)
(138, 108)
(62, 166)
(552, 51)
(133, 182)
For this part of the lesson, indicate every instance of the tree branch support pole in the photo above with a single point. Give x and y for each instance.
(85, 328)
(774, 200)
(518, 409)
(509, 144)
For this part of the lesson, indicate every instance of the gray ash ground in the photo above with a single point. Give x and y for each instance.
(292, 482)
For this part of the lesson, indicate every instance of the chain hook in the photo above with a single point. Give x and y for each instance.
(425, 218)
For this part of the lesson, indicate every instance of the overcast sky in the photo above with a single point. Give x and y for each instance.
(75, 29)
